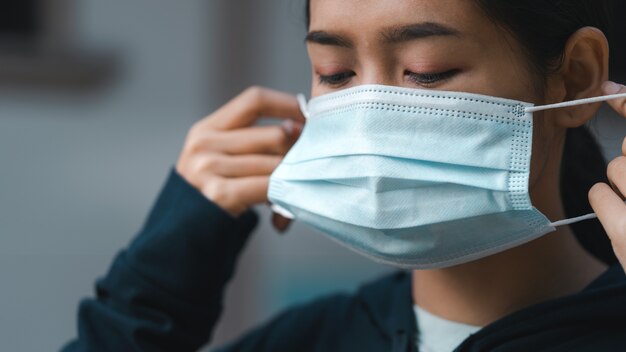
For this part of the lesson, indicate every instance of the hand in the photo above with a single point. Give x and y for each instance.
(608, 201)
(230, 160)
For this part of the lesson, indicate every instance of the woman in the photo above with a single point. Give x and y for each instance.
(164, 292)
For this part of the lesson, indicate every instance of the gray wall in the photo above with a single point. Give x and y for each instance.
(79, 172)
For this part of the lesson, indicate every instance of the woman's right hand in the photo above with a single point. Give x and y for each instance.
(230, 160)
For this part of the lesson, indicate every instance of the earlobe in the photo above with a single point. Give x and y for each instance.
(585, 68)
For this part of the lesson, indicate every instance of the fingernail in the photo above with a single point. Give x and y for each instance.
(611, 87)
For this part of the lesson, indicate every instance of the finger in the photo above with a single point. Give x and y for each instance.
(611, 211)
(624, 147)
(237, 194)
(250, 140)
(252, 104)
(251, 190)
(617, 175)
(619, 105)
(237, 166)
(280, 223)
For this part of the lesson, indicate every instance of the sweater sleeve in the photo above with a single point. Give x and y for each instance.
(164, 292)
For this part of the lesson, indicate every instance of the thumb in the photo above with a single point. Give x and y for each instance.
(610, 88)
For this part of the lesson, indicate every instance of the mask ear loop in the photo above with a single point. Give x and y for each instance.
(575, 103)
(275, 207)
(282, 212)
(574, 220)
(303, 106)
(570, 104)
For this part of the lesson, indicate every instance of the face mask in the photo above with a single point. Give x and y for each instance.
(415, 178)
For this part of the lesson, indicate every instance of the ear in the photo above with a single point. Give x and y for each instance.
(584, 69)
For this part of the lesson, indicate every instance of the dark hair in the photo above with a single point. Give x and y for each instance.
(618, 31)
(543, 27)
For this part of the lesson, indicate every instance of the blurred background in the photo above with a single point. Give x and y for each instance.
(95, 100)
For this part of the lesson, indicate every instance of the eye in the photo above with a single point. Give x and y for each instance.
(429, 79)
(337, 79)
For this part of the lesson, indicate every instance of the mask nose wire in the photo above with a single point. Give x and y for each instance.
(575, 103)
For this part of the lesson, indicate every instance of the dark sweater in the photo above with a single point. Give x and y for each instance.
(165, 293)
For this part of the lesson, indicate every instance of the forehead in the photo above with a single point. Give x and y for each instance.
(368, 16)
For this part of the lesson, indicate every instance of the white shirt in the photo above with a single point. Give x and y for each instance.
(435, 334)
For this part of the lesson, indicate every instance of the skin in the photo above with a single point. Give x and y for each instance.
(229, 159)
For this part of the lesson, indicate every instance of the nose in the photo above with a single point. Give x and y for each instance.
(381, 72)
(379, 76)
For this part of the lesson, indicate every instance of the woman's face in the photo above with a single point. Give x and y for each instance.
(429, 44)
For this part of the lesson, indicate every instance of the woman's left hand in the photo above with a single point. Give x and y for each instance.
(607, 201)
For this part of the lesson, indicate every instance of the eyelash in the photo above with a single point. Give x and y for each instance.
(422, 79)
(337, 79)
(428, 79)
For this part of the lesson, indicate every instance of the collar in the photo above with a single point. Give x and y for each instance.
(389, 303)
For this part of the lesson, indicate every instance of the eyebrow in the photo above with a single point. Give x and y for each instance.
(392, 35)
(326, 38)
(402, 34)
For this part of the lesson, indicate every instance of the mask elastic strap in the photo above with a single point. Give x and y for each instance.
(303, 105)
(574, 220)
(282, 212)
(565, 105)
(576, 102)
(305, 112)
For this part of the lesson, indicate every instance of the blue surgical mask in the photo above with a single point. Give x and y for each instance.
(415, 178)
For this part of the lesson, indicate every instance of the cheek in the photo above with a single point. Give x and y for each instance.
(545, 159)
(540, 146)
(316, 88)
